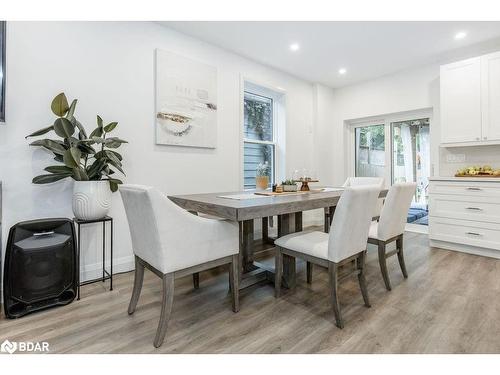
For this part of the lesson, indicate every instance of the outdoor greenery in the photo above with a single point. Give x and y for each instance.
(82, 157)
(374, 135)
(263, 169)
(258, 115)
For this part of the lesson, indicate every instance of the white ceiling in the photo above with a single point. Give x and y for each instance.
(366, 49)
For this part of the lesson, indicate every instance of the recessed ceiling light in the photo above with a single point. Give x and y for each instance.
(294, 47)
(460, 35)
(342, 71)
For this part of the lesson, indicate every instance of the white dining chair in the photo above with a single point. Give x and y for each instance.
(172, 243)
(345, 242)
(391, 226)
(359, 181)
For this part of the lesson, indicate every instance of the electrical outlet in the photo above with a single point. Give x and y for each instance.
(455, 158)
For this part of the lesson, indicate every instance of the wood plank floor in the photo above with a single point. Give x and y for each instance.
(449, 304)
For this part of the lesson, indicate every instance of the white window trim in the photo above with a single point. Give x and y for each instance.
(279, 99)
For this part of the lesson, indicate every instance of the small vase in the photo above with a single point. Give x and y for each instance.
(289, 188)
(262, 182)
(91, 199)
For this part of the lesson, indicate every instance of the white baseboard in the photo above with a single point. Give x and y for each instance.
(93, 271)
(465, 248)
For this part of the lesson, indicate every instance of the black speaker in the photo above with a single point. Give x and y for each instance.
(40, 266)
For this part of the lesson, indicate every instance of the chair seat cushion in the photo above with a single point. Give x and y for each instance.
(311, 243)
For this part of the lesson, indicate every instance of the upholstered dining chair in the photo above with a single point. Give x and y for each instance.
(173, 243)
(391, 226)
(358, 181)
(345, 242)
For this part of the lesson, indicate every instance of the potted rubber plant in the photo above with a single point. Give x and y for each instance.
(90, 160)
(262, 175)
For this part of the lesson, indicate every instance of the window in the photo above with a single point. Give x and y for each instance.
(370, 151)
(259, 136)
(2, 70)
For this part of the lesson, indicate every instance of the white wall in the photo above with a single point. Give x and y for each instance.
(108, 66)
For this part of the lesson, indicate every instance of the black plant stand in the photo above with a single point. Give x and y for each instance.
(105, 274)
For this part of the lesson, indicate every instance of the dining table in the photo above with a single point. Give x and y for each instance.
(245, 207)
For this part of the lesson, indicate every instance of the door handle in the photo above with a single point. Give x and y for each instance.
(474, 208)
(474, 188)
(43, 234)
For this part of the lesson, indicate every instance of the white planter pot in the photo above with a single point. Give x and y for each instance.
(91, 199)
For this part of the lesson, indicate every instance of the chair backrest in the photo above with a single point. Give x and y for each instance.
(351, 222)
(363, 181)
(395, 211)
(155, 223)
(359, 181)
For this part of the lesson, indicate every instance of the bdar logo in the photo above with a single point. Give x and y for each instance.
(8, 347)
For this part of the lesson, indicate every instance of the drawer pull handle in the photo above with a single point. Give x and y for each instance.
(474, 234)
(474, 208)
(474, 188)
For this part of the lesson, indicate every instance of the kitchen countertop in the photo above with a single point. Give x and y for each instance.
(466, 179)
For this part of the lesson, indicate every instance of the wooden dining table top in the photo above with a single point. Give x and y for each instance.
(253, 208)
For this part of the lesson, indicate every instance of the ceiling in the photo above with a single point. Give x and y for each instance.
(365, 49)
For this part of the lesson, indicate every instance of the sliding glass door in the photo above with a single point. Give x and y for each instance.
(370, 151)
(411, 162)
(399, 151)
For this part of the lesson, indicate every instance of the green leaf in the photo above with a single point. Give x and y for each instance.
(110, 127)
(48, 178)
(72, 157)
(58, 169)
(79, 174)
(114, 142)
(63, 127)
(41, 131)
(86, 149)
(59, 105)
(99, 121)
(117, 165)
(81, 129)
(71, 110)
(95, 169)
(51, 145)
(118, 156)
(113, 184)
(59, 158)
(97, 132)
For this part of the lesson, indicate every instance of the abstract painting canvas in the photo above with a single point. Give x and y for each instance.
(186, 101)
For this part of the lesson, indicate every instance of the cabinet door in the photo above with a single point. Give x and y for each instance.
(461, 101)
(490, 77)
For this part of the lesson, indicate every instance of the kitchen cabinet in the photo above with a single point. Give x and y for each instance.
(490, 95)
(470, 101)
(464, 215)
(461, 101)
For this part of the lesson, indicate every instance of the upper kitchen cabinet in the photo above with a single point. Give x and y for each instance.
(461, 101)
(470, 101)
(490, 96)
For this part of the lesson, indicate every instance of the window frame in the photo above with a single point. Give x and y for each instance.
(268, 93)
(3, 52)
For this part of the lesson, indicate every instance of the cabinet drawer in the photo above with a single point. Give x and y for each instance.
(469, 189)
(456, 207)
(465, 232)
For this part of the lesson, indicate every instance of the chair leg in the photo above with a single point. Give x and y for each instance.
(361, 278)
(234, 281)
(278, 272)
(333, 273)
(166, 308)
(383, 264)
(326, 228)
(309, 272)
(399, 245)
(136, 292)
(196, 280)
